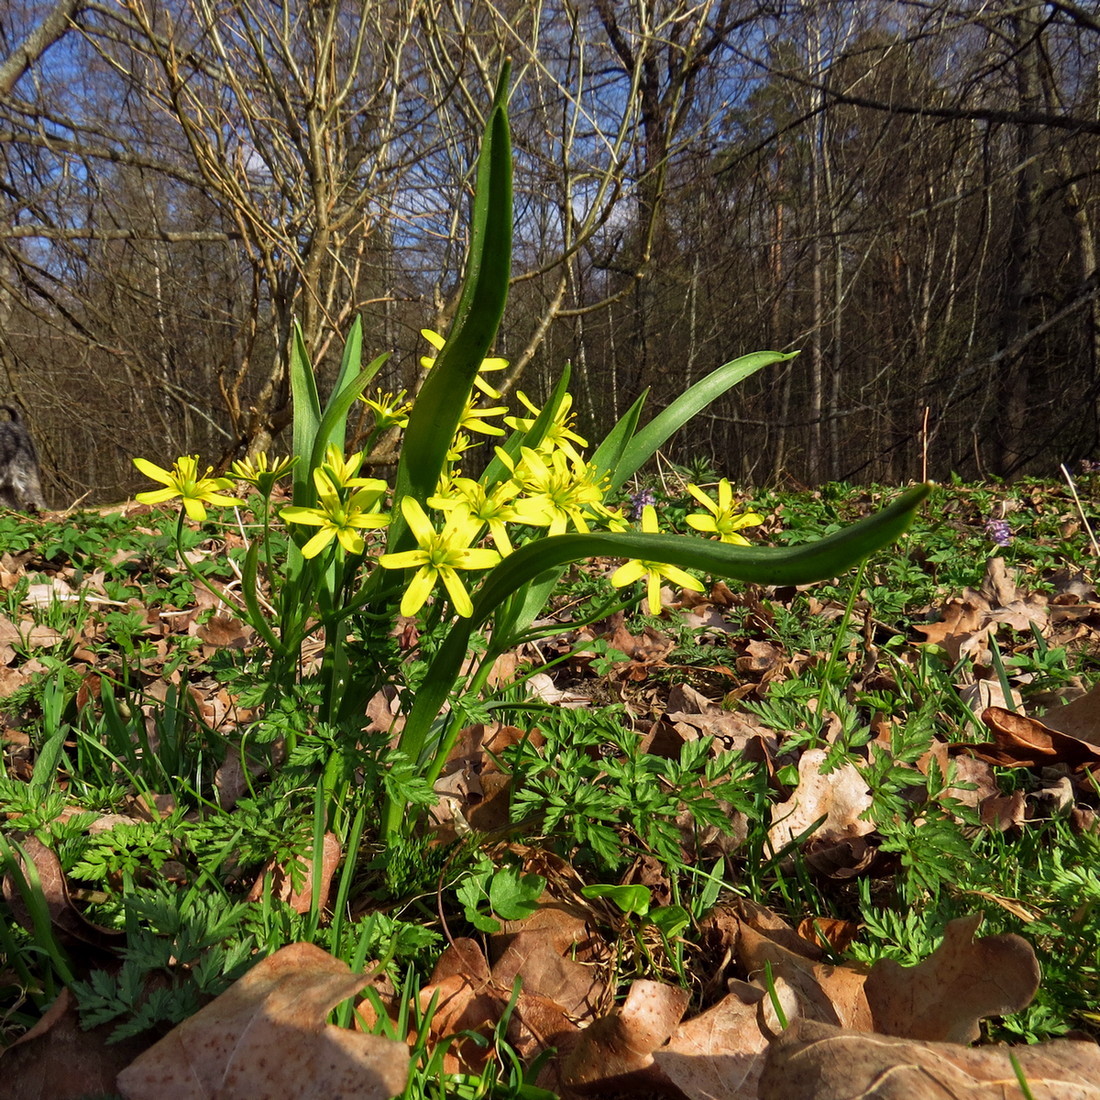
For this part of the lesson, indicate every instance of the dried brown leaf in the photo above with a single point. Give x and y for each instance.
(282, 880)
(621, 1044)
(265, 1038)
(718, 1055)
(70, 924)
(1079, 719)
(839, 796)
(815, 1061)
(964, 980)
(59, 1060)
(1022, 742)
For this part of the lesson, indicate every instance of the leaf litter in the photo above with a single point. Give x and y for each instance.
(780, 1016)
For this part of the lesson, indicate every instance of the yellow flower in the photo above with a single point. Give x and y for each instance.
(653, 571)
(473, 418)
(558, 490)
(723, 520)
(183, 481)
(391, 410)
(490, 364)
(439, 556)
(343, 470)
(260, 471)
(559, 433)
(459, 445)
(494, 509)
(338, 518)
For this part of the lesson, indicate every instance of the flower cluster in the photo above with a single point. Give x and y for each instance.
(998, 531)
(547, 488)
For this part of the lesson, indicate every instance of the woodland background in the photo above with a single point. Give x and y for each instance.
(905, 191)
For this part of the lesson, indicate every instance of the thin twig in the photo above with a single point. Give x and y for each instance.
(1080, 510)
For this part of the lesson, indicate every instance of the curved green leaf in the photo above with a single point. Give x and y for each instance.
(349, 361)
(306, 406)
(693, 400)
(802, 564)
(438, 408)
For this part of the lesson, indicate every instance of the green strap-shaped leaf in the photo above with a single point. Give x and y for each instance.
(349, 361)
(802, 564)
(307, 416)
(438, 408)
(693, 400)
(333, 424)
(609, 454)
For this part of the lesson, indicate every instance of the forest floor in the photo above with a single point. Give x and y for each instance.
(773, 842)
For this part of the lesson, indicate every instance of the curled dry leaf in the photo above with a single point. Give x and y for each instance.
(822, 992)
(1079, 719)
(265, 1038)
(282, 879)
(1021, 742)
(719, 1054)
(816, 1061)
(621, 1044)
(964, 980)
(69, 923)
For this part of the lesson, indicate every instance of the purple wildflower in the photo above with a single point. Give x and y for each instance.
(639, 500)
(999, 531)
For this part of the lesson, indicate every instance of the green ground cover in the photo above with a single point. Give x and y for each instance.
(166, 827)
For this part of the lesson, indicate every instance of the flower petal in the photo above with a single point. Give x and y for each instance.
(476, 558)
(406, 559)
(156, 496)
(684, 580)
(700, 522)
(628, 573)
(153, 471)
(653, 592)
(420, 588)
(311, 516)
(416, 519)
(460, 598)
(194, 509)
(350, 540)
(318, 542)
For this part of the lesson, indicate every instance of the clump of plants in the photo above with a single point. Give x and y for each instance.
(414, 586)
(475, 559)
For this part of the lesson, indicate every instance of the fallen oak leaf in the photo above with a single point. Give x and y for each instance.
(1079, 719)
(265, 1038)
(57, 1059)
(964, 980)
(840, 797)
(818, 1060)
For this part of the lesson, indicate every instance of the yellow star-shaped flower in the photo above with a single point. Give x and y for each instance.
(261, 471)
(491, 364)
(722, 520)
(563, 492)
(559, 433)
(338, 518)
(493, 509)
(183, 481)
(653, 571)
(439, 556)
